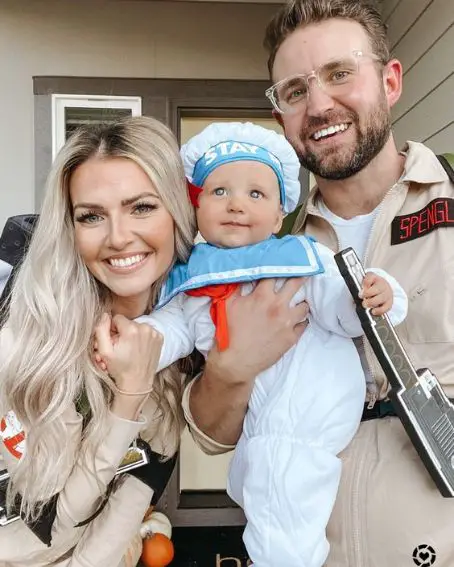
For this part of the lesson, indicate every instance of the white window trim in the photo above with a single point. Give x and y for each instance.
(62, 101)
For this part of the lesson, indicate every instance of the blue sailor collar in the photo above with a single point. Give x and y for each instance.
(290, 256)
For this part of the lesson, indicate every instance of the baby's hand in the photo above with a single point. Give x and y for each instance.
(97, 358)
(376, 294)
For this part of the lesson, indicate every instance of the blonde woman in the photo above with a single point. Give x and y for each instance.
(114, 220)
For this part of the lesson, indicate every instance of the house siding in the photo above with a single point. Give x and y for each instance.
(421, 34)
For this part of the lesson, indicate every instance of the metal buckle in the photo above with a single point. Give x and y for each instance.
(5, 519)
(135, 457)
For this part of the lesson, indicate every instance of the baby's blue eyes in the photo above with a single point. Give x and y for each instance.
(221, 192)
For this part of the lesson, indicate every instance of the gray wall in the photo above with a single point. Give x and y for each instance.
(422, 37)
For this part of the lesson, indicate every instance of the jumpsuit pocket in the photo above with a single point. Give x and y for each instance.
(430, 316)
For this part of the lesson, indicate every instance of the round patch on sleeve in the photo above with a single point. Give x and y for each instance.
(12, 435)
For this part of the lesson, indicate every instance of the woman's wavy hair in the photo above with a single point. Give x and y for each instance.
(56, 302)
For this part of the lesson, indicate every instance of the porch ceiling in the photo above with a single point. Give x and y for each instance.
(225, 1)
(379, 2)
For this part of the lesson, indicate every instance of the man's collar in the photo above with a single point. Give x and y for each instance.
(421, 165)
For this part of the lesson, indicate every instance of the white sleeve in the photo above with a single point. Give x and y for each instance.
(170, 321)
(332, 305)
(197, 314)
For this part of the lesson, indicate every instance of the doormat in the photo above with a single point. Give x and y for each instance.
(209, 547)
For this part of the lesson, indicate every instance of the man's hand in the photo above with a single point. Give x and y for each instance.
(262, 327)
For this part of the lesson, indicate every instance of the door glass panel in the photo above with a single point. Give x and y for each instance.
(78, 116)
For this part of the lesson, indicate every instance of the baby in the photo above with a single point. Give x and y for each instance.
(305, 409)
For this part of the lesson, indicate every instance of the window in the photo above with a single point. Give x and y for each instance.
(71, 111)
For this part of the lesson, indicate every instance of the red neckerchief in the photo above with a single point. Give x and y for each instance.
(219, 293)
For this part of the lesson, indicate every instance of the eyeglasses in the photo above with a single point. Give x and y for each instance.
(335, 78)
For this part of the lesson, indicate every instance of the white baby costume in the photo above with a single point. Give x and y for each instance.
(306, 408)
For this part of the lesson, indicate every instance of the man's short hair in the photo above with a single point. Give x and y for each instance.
(298, 13)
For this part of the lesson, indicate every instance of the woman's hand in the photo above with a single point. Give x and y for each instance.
(129, 352)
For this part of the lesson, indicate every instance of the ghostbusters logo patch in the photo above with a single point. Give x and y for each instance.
(12, 435)
(438, 213)
(424, 555)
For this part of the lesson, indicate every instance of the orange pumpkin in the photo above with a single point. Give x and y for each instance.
(157, 551)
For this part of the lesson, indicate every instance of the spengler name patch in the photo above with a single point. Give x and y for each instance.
(437, 214)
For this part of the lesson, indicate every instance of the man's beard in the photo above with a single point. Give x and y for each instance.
(345, 163)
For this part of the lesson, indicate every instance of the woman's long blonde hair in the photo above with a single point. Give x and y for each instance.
(56, 302)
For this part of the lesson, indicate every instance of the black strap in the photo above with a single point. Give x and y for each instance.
(380, 409)
(16, 237)
(5, 296)
(155, 474)
(14, 243)
(42, 526)
(447, 161)
(101, 507)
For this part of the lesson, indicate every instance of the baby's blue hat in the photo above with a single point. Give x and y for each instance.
(224, 142)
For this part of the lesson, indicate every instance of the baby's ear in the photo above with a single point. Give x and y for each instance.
(279, 220)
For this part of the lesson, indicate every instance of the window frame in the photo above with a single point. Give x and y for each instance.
(62, 101)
